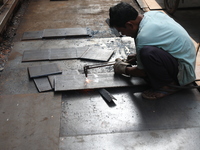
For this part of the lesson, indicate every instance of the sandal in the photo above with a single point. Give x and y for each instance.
(156, 94)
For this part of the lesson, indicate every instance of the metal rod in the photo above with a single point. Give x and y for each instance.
(96, 66)
(100, 65)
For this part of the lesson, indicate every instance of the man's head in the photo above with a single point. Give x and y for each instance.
(124, 18)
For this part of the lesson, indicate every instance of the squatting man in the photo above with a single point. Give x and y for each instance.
(165, 54)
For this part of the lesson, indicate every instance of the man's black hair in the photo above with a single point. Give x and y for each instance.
(121, 13)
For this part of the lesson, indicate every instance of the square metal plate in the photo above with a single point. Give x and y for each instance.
(44, 70)
(97, 53)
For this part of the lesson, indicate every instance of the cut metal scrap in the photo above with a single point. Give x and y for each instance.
(106, 95)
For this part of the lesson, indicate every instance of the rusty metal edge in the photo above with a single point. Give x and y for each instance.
(8, 14)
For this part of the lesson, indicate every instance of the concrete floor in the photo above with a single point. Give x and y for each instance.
(82, 120)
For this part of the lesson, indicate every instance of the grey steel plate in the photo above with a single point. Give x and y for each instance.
(94, 81)
(32, 35)
(171, 139)
(52, 77)
(117, 44)
(44, 70)
(64, 32)
(53, 54)
(30, 121)
(43, 84)
(52, 80)
(67, 53)
(97, 53)
(85, 113)
(35, 55)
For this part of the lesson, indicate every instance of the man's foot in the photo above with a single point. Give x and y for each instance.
(156, 94)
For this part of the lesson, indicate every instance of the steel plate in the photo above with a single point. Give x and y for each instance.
(32, 35)
(97, 53)
(67, 53)
(43, 84)
(53, 54)
(85, 113)
(44, 70)
(36, 55)
(52, 77)
(64, 32)
(94, 81)
(176, 139)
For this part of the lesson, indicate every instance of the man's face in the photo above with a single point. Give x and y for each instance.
(128, 30)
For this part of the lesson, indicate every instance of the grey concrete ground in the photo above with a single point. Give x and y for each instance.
(82, 120)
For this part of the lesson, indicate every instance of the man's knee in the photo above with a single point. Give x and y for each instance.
(148, 53)
(147, 50)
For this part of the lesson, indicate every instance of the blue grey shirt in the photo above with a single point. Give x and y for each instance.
(160, 30)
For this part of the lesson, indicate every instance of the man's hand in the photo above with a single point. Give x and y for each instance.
(120, 66)
(131, 59)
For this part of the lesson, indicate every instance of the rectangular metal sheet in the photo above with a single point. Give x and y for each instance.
(94, 81)
(136, 140)
(52, 77)
(53, 54)
(67, 53)
(32, 35)
(64, 32)
(36, 55)
(44, 70)
(85, 113)
(43, 84)
(97, 53)
(30, 121)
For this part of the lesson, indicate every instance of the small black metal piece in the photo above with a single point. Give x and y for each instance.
(106, 95)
